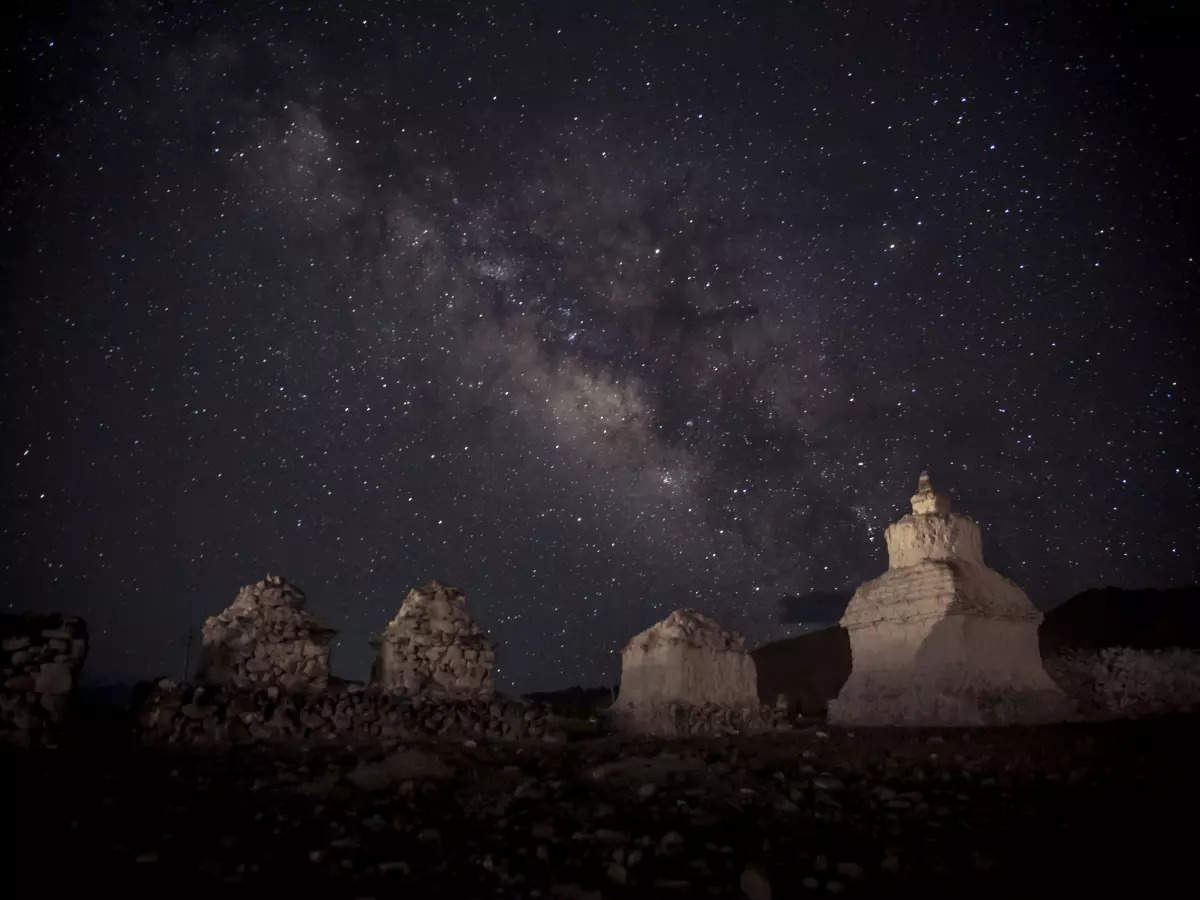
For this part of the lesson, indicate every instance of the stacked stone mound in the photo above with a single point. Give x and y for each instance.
(209, 715)
(265, 637)
(941, 639)
(433, 647)
(1128, 682)
(688, 675)
(40, 663)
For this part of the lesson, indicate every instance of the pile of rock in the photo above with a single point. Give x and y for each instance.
(1128, 682)
(265, 637)
(40, 663)
(688, 675)
(189, 714)
(939, 638)
(433, 647)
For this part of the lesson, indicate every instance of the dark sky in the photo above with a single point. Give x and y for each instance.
(592, 310)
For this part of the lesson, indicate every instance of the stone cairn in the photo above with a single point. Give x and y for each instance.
(941, 639)
(688, 675)
(41, 660)
(266, 638)
(433, 648)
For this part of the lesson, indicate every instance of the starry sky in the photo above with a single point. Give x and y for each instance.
(594, 310)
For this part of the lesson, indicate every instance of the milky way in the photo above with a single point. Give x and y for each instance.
(594, 311)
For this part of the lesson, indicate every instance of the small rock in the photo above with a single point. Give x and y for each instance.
(609, 836)
(617, 873)
(811, 883)
(754, 884)
(573, 892)
(835, 887)
(671, 842)
(646, 791)
(150, 857)
(850, 869)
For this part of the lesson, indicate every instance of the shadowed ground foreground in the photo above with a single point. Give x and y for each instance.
(814, 811)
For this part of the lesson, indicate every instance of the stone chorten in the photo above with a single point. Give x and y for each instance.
(266, 638)
(939, 638)
(433, 647)
(689, 659)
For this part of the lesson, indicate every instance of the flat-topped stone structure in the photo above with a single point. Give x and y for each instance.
(686, 660)
(433, 647)
(941, 639)
(265, 637)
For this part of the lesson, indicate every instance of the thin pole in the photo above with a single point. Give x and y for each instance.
(187, 659)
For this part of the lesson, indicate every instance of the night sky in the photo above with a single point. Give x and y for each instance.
(592, 310)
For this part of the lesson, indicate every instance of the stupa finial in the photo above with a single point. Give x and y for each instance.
(927, 501)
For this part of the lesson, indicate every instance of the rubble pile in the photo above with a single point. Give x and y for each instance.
(265, 637)
(200, 715)
(433, 647)
(1128, 682)
(40, 662)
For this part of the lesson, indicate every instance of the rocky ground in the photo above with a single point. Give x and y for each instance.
(810, 812)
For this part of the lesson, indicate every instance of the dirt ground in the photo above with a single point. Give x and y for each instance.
(812, 812)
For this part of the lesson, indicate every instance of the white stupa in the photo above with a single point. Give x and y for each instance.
(939, 638)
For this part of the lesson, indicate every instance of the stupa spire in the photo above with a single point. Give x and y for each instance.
(926, 501)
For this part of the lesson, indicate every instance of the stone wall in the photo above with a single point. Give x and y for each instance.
(200, 715)
(1123, 682)
(433, 647)
(40, 662)
(681, 720)
(265, 637)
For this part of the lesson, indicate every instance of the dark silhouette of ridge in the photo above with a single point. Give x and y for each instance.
(1146, 619)
(808, 669)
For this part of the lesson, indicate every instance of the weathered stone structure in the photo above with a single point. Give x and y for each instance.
(433, 647)
(940, 639)
(686, 662)
(40, 660)
(265, 637)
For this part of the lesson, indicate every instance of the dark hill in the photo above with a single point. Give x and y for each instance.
(808, 669)
(1108, 617)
